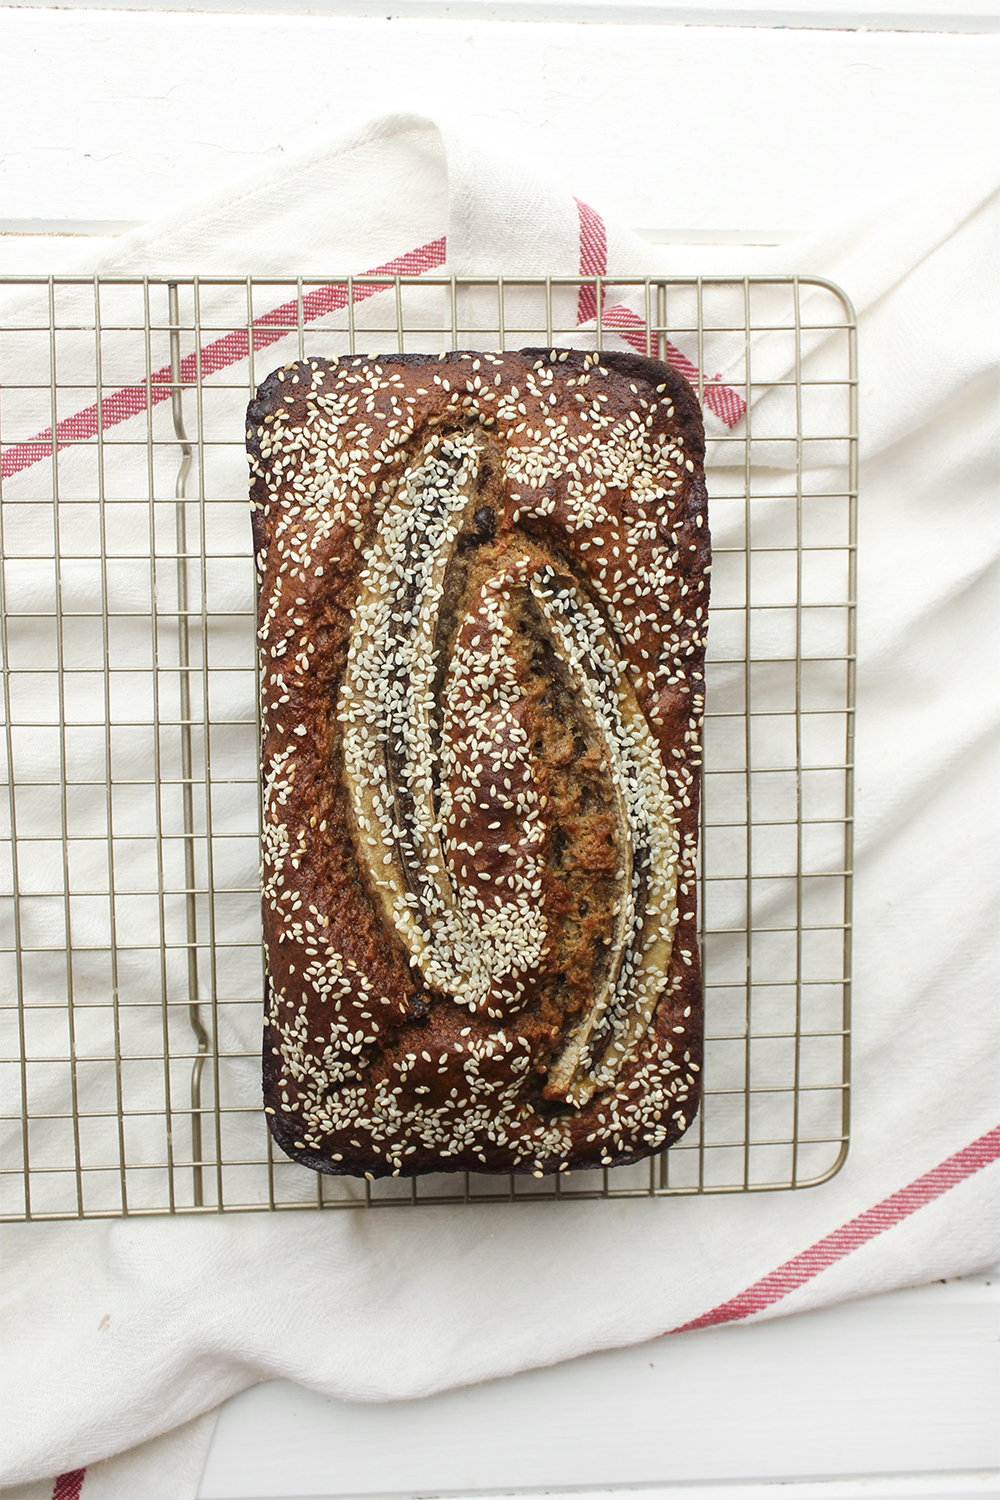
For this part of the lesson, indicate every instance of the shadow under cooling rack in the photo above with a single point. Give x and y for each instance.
(132, 981)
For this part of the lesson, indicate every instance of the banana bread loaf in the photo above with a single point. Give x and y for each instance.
(483, 596)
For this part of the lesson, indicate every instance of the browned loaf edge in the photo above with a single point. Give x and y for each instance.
(483, 596)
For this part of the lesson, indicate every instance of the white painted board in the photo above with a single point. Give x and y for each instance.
(896, 1385)
(115, 115)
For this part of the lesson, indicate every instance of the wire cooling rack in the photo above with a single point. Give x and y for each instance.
(132, 976)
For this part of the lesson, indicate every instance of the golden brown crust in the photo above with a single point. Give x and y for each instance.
(483, 595)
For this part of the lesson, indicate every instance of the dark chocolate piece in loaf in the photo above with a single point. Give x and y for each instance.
(483, 596)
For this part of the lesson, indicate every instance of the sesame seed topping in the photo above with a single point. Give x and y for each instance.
(369, 486)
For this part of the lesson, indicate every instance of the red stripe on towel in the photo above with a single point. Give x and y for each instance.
(131, 400)
(68, 1486)
(593, 258)
(727, 404)
(802, 1268)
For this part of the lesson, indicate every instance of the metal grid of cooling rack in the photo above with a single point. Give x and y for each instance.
(131, 984)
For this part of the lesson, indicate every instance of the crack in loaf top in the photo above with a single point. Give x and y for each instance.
(483, 595)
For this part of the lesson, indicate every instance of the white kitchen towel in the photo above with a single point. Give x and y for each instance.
(119, 1331)
(164, 1468)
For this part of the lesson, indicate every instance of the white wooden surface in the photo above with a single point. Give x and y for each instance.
(890, 15)
(695, 134)
(890, 1387)
(113, 115)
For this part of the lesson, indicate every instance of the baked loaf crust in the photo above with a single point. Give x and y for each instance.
(483, 595)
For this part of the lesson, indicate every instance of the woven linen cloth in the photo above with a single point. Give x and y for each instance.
(124, 1335)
